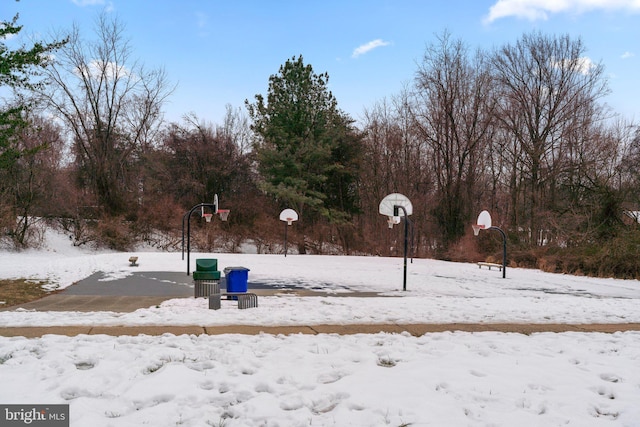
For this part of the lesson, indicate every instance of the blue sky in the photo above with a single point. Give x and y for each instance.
(222, 52)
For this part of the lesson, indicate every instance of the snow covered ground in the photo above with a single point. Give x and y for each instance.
(440, 379)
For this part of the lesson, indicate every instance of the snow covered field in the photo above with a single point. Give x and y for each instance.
(440, 379)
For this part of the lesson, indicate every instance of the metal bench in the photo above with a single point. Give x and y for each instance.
(245, 299)
(489, 265)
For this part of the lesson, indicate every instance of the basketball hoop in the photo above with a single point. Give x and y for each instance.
(477, 228)
(392, 220)
(207, 216)
(390, 202)
(288, 216)
(224, 214)
(483, 223)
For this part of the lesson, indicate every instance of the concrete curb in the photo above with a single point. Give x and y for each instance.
(413, 329)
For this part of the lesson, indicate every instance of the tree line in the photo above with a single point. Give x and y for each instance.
(521, 130)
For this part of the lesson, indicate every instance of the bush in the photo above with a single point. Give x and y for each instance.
(617, 257)
(115, 233)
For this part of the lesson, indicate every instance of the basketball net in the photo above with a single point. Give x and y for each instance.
(207, 216)
(224, 214)
(477, 228)
(392, 220)
(289, 221)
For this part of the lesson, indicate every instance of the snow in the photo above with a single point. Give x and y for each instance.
(449, 378)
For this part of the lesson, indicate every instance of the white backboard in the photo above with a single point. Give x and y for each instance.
(288, 215)
(395, 199)
(484, 219)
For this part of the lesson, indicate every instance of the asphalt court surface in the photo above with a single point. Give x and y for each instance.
(99, 292)
(169, 284)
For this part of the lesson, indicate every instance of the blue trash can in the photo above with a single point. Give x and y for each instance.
(237, 278)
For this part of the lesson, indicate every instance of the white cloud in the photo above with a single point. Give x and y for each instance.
(361, 50)
(541, 9)
(82, 3)
(87, 2)
(583, 64)
(110, 70)
(627, 55)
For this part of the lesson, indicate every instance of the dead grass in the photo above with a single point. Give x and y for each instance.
(20, 291)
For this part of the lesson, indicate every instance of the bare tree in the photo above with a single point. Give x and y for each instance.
(629, 173)
(202, 160)
(383, 171)
(198, 160)
(454, 114)
(111, 105)
(237, 128)
(597, 184)
(28, 183)
(547, 85)
(395, 160)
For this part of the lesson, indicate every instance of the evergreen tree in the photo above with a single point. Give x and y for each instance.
(17, 71)
(307, 149)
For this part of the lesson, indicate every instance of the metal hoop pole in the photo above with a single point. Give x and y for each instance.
(406, 242)
(413, 245)
(285, 239)
(201, 205)
(504, 250)
(183, 218)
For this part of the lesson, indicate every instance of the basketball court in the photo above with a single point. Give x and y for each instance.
(147, 289)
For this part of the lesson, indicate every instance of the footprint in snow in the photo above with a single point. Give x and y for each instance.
(327, 403)
(612, 378)
(608, 394)
(329, 377)
(85, 365)
(207, 385)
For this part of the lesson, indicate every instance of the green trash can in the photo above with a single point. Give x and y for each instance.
(206, 264)
(206, 278)
(206, 275)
